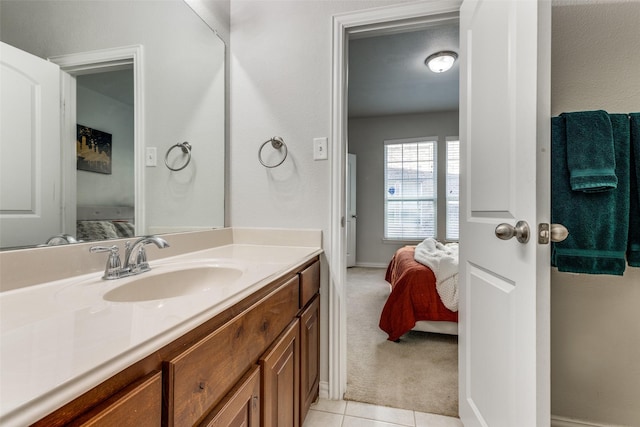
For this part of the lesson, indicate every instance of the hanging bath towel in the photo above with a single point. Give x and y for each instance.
(633, 250)
(598, 223)
(590, 151)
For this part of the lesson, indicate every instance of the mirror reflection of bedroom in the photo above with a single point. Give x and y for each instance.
(105, 190)
(402, 225)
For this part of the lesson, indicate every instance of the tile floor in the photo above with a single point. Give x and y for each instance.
(340, 413)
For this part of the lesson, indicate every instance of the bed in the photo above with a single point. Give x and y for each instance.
(104, 222)
(414, 303)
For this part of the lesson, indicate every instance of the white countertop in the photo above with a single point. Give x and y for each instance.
(60, 339)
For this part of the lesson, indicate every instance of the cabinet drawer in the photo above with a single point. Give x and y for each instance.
(139, 404)
(201, 376)
(309, 283)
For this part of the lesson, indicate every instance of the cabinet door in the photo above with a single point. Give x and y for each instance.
(198, 378)
(281, 380)
(309, 356)
(139, 404)
(241, 407)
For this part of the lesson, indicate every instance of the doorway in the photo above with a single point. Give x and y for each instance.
(128, 59)
(346, 26)
(395, 101)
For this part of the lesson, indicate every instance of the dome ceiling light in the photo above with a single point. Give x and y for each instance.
(442, 61)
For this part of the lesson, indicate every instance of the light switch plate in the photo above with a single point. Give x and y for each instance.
(151, 157)
(320, 149)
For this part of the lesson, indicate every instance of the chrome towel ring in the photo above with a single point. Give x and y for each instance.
(186, 149)
(277, 143)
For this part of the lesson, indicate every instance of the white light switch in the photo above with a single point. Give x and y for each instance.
(151, 157)
(320, 149)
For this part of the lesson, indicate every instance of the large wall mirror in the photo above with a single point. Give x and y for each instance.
(118, 119)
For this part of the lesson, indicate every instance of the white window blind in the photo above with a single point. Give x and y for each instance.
(410, 189)
(453, 189)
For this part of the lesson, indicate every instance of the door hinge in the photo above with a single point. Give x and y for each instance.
(342, 222)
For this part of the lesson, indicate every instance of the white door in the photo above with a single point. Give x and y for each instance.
(352, 214)
(504, 294)
(30, 203)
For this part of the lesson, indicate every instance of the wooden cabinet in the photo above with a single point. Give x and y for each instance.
(241, 407)
(309, 283)
(254, 364)
(309, 356)
(199, 377)
(139, 404)
(309, 337)
(281, 380)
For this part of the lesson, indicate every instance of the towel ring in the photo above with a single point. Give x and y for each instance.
(186, 149)
(277, 143)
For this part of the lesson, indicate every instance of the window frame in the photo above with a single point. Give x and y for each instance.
(441, 159)
(446, 235)
(434, 141)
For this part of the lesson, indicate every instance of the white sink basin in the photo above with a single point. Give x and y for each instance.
(155, 285)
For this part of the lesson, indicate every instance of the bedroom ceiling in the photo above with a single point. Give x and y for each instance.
(115, 84)
(387, 74)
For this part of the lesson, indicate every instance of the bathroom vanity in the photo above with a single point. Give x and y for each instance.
(244, 352)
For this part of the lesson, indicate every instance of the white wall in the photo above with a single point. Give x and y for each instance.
(595, 320)
(108, 115)
(281, 85)
(366, 140)
(216, 14)
(184, 87)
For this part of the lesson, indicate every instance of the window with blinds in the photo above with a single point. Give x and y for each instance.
(453, 189)
(410, 177)
(411, 189)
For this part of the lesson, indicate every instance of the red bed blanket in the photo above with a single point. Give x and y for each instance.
(413, 296)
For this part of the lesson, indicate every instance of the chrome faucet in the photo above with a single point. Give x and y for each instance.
(135, 258)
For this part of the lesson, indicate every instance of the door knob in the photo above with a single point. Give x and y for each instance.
(558, 232)
(506, 231)
(551, 232)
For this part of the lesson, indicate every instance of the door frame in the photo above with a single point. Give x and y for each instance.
(381, 19)
(92, 62)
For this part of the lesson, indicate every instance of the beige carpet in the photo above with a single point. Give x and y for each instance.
(420, 372)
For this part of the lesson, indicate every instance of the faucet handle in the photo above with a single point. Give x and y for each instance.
(141, 260)
(114, 267)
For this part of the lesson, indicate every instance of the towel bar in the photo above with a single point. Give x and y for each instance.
(186, 149)
(277, 143)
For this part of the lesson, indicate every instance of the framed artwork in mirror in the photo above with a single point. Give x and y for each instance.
(93, 150)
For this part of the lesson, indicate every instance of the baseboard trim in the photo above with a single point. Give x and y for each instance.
(323, 393)
(371, 265)
(557, 421)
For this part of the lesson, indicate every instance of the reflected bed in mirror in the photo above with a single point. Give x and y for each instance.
(179, 83)
(104, 222)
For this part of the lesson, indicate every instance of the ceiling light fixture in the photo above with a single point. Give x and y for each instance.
(440, 62)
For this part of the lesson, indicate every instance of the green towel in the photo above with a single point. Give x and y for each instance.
(598, 223)
(633, 250)
(590, 152)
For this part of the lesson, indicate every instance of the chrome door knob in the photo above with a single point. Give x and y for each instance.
(558, 232)
(551, 232)
(506, 231)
